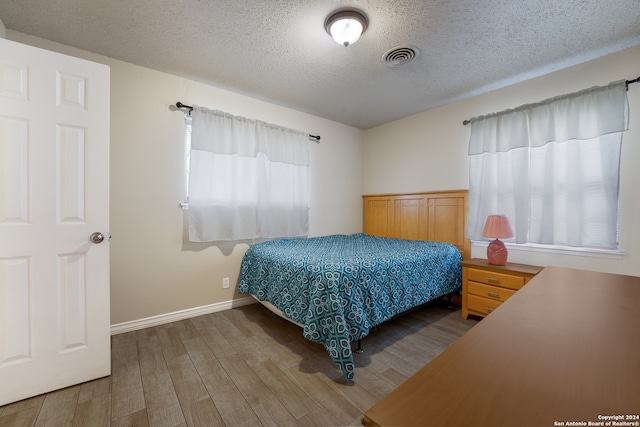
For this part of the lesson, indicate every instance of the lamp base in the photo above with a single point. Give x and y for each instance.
(497, 253)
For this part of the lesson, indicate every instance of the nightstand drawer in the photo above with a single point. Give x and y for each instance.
(488, 291)
(494, 278)
(485, 286)
(482, 306)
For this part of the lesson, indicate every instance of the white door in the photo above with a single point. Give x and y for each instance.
(54, 281)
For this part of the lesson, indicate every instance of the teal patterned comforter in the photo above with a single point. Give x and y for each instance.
(339, 287)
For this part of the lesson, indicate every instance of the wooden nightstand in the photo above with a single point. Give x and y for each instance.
(485, 286)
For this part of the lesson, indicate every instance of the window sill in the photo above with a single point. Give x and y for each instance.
(561, 250)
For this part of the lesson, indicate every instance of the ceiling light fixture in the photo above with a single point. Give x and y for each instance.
(346, 26)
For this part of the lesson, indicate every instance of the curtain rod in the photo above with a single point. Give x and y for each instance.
(180, 105)
(626, 83)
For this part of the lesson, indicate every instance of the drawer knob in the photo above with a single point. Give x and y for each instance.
(489, 309)
(493, 280)
(493, 294)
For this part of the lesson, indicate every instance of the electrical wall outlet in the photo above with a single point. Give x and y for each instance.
(225, 283)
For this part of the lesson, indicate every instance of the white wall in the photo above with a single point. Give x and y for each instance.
(154, 270)
(428, 151)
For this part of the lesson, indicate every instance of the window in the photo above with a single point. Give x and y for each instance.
(552, 168)
(247, 179)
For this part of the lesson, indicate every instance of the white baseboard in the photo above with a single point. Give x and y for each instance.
(134, 325)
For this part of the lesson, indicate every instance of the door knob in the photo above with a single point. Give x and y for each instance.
(96, 237)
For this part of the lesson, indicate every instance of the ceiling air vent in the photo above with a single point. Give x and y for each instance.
(400, 55)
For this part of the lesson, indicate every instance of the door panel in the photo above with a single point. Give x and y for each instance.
(14, 289)
(14, 195)
(54, 282)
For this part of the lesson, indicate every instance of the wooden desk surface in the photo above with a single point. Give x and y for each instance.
(565, 348)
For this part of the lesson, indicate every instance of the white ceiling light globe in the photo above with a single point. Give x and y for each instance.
(346, 26)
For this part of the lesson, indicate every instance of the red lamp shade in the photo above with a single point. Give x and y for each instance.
(497, 226)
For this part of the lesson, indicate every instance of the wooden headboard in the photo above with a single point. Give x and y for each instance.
(439, 216)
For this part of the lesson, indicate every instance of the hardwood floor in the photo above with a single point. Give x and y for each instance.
(242, 367)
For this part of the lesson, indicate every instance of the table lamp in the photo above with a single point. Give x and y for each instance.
(497, 226)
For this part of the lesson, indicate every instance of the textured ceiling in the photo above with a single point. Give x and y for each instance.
(278, 50)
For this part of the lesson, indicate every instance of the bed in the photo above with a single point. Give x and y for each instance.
(339, 287)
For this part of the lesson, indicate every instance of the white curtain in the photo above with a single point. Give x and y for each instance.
(552, 168)
(247, 179)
